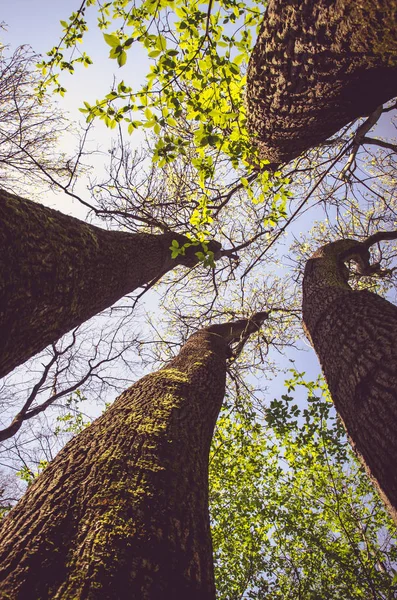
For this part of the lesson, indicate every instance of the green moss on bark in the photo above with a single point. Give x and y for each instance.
(122, 512)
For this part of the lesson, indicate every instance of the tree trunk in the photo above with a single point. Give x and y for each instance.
(56, 272)
(354, 334)
(122, 511)
(318, 65)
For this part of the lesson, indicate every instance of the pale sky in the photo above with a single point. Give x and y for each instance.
(37, 23)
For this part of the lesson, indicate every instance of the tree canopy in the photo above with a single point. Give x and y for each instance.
(292, 511)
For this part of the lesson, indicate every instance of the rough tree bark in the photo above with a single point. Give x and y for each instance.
(354, 334)
(122, 511)
(56, 272)
(316, 66)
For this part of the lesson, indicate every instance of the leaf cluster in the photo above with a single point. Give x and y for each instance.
(293, 513)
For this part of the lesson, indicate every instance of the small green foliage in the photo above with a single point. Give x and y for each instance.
(200, 220)
(193, 94)
(293, 514)
(74, 420)
(4, 510)
(199, 70)
(27, 475)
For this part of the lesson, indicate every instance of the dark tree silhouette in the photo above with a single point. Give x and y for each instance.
(318, 65)
(354, 334)
(56, 272)
(122, 512)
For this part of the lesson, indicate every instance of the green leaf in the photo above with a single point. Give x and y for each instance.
(122, 58)
(239, 59)
(161, 43)
(112, 40)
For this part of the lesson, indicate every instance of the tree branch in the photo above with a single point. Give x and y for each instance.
(381, 143)
(358, 140)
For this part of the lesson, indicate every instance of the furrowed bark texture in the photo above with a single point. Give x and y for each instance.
(56, 272)
(122, 512)
(354, 334)
(318, 65)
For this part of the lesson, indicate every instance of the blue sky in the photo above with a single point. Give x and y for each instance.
(37, 24)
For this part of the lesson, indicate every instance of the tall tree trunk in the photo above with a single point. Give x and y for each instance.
(122, 512)
(316, 66)
(56, 272)
(354, 334)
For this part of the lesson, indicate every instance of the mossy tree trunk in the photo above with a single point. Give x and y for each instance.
(56, 272)
(354, 334)
(122, 511)
(316, 66)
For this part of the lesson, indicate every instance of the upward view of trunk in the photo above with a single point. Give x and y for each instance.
(318, 65)
(56, 272)
(122, 511)
(354, 334)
